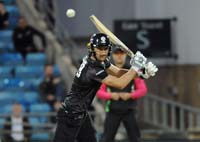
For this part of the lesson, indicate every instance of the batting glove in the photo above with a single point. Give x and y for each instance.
(138, 62)
(149, 70)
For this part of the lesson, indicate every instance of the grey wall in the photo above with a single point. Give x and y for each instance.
(187, 31)
(105, 10)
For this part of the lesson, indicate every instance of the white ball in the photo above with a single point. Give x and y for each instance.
(70, 13)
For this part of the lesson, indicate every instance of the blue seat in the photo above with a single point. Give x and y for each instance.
(8, 109)
(3, 47)
(13, 11)
(5, 99)
(31, 97)
(9, 97)
(10, 46)
(6, 72)
(29, 71)
(6, 47)
(9, 2)
(6, 35)
(41, 107)
(14, 84)
(36, 59)
(2, 122)
(32, 83)
(56, 70)
(12, 22)
(42, 136)
(11, 59)
(34, 122)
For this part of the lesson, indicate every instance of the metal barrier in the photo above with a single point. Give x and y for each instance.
(169, 115)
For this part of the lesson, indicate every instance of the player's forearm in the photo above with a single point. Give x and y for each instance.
(116, 71)
(121, 72)
(124, 80)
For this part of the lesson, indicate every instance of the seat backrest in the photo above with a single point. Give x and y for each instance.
(11, 84)
(6, 35)
(36, 59)
(11, 59)
(13, 10)
(29, 71)
(41, 107)
(31, 97)
(6, 72)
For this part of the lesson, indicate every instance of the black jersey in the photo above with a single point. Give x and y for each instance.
(85, 85)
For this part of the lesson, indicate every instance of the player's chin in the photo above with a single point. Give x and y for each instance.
(103, 58)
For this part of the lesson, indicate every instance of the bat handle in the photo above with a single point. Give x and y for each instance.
(130, 53)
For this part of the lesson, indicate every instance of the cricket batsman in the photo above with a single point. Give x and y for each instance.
(95, 70)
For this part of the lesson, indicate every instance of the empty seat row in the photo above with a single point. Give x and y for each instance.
(6, 72)
(9, 2)
(24, 72)
(29, 71)
(16, 84)
(6, 47)
(26, 98)
(33, 108)
(16, 59)
(6, 36)
(13, 10)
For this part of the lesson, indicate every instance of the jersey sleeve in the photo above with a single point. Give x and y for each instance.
(100, 74)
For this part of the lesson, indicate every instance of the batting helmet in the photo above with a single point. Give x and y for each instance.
(99, 40)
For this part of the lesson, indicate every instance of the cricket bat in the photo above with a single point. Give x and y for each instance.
(100, 26)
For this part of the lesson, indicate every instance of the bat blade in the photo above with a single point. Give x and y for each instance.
(100, 26)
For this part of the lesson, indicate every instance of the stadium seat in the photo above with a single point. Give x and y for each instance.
(6, 35)
(6, 47)
(29, 71)
(2, 122)
(10, 47)
(6, 72)
(36, 59)
(11, 59)
(16, 84)
(3, 47)
(31, 84)
(41, 107)
(5, 99)
(11, 84)
(13, 22)
(30, 97)
(8, 109)
(42, 136)
(56, 70)
(13, 11)
(9, 2)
